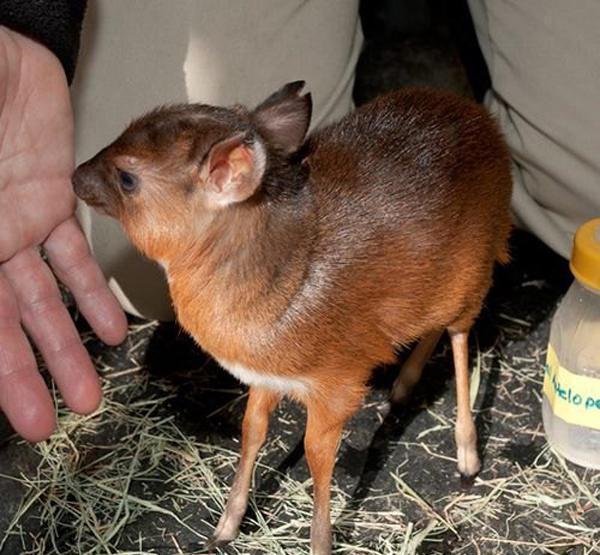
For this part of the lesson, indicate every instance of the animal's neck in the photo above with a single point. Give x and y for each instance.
(235, 282)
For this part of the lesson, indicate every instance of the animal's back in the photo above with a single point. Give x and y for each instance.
(413, 192)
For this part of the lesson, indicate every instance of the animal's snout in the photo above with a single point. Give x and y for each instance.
(90, 185)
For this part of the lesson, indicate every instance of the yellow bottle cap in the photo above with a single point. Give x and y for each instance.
(585, 258)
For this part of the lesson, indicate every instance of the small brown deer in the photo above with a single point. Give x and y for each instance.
(300, 264)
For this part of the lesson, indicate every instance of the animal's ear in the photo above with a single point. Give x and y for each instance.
(284, 117)
(232, 170)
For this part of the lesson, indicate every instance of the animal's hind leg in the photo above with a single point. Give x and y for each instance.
(465, 433)
(411, 370)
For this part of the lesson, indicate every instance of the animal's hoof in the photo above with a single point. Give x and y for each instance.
(227, 529)
(466, 482)
(468, 461)
(224, 534)
(211, 545)
(400, 393)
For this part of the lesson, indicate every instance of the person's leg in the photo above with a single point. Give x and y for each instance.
(141, 53)
(545, 70)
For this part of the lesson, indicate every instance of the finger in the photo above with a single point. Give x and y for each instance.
(74, 265)
(48, 323)
(24, 397)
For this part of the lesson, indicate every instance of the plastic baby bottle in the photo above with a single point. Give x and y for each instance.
(571, 400)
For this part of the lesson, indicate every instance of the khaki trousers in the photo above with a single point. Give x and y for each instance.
(137, 54)
(544, 61)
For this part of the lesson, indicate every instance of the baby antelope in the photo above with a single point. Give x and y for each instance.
(300, 263)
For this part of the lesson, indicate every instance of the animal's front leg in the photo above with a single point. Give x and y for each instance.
(261, 403)
(323, 434)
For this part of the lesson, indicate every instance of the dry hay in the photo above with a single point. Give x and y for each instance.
(101, 479)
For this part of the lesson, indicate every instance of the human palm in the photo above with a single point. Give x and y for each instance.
(36, 210)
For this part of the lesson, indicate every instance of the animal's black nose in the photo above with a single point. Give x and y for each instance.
(88, 185)
(82, 182)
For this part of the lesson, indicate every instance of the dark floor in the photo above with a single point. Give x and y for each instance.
(396, 485)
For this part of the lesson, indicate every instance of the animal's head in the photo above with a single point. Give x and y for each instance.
(178, 168)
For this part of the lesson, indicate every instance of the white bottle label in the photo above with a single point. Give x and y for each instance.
(574, 398)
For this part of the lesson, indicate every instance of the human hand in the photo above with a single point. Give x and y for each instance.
(37, 210)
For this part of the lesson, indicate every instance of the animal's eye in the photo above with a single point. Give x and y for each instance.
(127, 181)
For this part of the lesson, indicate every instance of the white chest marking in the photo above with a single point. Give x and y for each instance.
(268, 381)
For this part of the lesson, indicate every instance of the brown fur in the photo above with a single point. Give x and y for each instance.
(377, 231)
